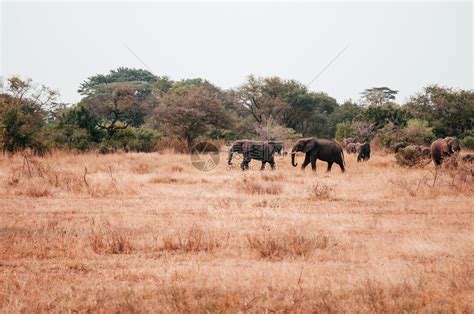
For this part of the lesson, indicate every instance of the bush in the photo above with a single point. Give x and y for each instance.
(468, 142)
(410, 157)
(418, 132)
(343, 130)
(389, 135)
(131, 139)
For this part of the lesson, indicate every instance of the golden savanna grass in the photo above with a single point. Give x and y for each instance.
(149, 232)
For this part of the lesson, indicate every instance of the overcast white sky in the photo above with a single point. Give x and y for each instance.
(401, 45)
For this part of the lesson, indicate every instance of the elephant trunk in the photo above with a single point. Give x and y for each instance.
(293, 163)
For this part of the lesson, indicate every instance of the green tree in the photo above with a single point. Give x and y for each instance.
(76, 128)
(121, 75)
(381, 115)
(119, 105)
(418, 132)
(23, 113)
(449, 111)
(348, 111)
(343, 130)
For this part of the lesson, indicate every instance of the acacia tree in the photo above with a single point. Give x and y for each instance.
(265, 98)
(120, 75)
(189, 112)
(377, 96)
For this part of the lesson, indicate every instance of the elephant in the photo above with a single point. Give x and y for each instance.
(279, 147)
(364, 152)
(351, 148)
(322, 149)
(444, 147)
(262, 151)
(399, 146)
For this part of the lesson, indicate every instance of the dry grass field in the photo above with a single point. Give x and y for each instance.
(149, 232)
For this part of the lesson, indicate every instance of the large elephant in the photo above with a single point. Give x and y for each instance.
(364, 152)
(262, 151)
(444, 147)
(322, 149)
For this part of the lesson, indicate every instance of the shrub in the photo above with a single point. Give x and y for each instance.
(343, 130)
(468, 142)
(109, 240)
(289, 243)
(195, 239)
(410, 157)
(131, 139)
(363, 131)
(389, 135)
(418, 132)
(270, 130)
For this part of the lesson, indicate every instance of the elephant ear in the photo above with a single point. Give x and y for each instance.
(449, 144)
(310, 145)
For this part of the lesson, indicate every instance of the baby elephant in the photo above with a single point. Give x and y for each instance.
(364, 152)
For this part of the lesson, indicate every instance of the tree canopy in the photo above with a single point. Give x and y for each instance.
(134, 109)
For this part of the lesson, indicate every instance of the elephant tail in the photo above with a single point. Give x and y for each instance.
(343, 158)
(229, 158)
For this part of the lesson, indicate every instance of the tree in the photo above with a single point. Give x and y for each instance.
(381, 115)
(348, 111)
(343, 130)
(269, 98)
(190, 112)
(120, 105)
(418, 132)
(270, 130)
(89, 86)
(363, 131)
(377, 96)
(449, 111)
(23, 112)
(76, 128)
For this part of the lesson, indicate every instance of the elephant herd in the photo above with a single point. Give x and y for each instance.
(353, 147)
(331, 152)
(313, 148)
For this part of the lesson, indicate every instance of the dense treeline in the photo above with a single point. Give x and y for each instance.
(135, 110)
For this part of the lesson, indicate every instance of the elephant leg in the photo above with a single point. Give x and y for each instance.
(306, 161)
(313, 162)
(341, 164)
(245, 163)
(329, 166)
(272, 163)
